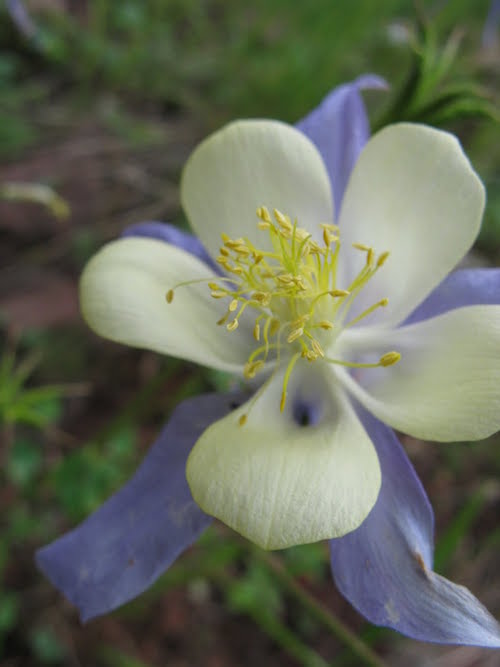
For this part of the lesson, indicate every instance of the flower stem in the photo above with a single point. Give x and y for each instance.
(319, 611)
(273, 627)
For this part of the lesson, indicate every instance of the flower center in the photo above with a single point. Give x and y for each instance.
(292, 292)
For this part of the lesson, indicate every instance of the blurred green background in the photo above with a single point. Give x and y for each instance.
(101, 103)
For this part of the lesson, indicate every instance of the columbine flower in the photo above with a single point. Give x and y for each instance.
(335, 321)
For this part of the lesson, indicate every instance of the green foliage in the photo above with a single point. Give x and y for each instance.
(20, 405)
(437, 90)
(308, 560)
(455, 531)
(24, 462)
(46, 646)
(84, 478)
(9, 612)
(257, 589)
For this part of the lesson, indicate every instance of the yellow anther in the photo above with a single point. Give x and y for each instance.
(317, 348)
(262, 297)
(285, 233)
(286, 284)
(327, 237)
(264, 214)
(301, 234)
(234, 243)
(282, 220)
(300, 282)
(331, 227)
(252, 368)
(300, 321)
(296, 333)
(170, 296)
(389, 359)
(274, 327)
(381, 260)
(242, 250)
(314, 247)
(383, 302)
(233, 269)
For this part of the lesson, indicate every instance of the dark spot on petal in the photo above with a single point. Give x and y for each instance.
(131, 562)
(306, 413)
(421, 564)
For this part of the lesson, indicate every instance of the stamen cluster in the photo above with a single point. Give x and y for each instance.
(283, 284)
(292, 290)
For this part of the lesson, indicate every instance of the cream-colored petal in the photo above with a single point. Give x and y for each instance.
(281, 484)
(248, 164)
(413, 193)
(123, 297)
(447, 384)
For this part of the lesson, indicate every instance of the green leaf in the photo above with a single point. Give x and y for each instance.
(9, 611)
(307, 559)
(448, 543)
(257, 590)
(24, 462)
(46, 646)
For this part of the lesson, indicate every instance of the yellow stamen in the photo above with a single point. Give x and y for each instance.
(317, 348)
(264, 214)
(170, 296)
(380, 304)
(296, 333)
(286, 378)
(390, 358)
(382, 258)
(291, 286)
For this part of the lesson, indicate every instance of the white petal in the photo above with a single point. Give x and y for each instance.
(123, 290)
(280, 484)
(447, 384)
(249, 164)
(413, 193)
